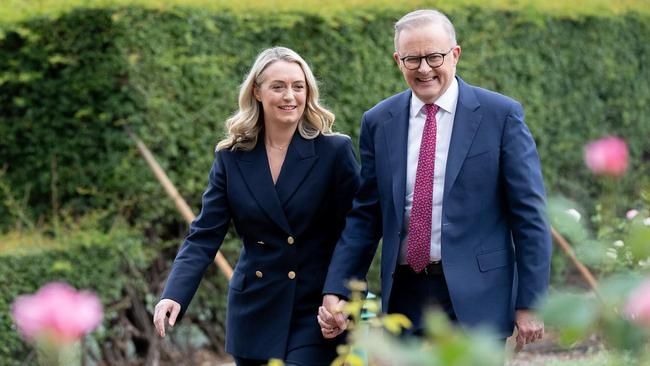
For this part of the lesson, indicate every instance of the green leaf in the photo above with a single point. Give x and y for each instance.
(638, 240)
(573, 315)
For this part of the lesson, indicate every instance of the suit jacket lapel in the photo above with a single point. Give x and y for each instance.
(466, 123)
(254, 166)
(396, 134)
(298, 162)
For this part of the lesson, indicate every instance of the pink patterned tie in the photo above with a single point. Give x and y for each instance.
(419, 235)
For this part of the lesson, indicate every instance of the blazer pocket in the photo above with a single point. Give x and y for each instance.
(238, 281)
(482, 154)
(492, 260)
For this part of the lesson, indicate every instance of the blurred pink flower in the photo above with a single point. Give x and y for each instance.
(638, 304)
(58, 312)
(607, 156)
(631, 214)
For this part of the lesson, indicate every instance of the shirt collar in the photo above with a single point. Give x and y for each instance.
(446, 101)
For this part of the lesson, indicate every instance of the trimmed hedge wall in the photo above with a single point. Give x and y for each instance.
(68, 86)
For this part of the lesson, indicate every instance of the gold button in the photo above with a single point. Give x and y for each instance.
(291, 275)
(290, 240)
(261, 242)
(259, 274)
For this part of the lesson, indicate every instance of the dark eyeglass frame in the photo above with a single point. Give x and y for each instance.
(426, 58)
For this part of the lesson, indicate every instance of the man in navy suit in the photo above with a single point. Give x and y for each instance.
(452, 184)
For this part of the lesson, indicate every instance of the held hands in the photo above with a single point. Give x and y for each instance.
(164, 307)
(529, 328)
(331, 317)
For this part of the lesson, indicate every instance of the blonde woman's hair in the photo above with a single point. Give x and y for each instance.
(246, 124)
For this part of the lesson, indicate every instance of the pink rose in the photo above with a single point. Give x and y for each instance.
(607, 156)
(58, 312)
(638, 304)
(631, 214)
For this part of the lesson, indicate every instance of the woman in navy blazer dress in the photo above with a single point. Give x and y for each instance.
(286, 181)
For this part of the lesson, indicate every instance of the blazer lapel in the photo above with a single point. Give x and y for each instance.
(396, 134)
(254, 166)
(466, 123)
(298, 162)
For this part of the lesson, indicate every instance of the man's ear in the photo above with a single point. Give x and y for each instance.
(396, 58)
(456, 52)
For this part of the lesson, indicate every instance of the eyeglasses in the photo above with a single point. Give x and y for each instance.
(434, 60)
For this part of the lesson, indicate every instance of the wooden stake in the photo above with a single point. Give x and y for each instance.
(172, 192)
(584, 271)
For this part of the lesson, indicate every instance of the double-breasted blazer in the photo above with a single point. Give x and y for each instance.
(495, 238)
(288, 231)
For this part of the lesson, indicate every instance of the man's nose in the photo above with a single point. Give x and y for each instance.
(424, 66)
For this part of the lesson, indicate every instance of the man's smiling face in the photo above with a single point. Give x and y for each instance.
(427, 83)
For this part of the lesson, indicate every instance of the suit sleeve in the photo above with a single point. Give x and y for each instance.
(205, 236)
(524, 189)
(358, 243)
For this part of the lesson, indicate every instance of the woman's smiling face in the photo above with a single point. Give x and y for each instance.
(282, 92)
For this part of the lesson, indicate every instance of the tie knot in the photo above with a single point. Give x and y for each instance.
(432, 109)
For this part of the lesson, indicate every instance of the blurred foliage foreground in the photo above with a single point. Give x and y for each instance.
(78, 204)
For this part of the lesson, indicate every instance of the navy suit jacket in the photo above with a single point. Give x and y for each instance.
(496, 242)
(291, 227)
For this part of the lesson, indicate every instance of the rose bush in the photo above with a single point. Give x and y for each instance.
(55, 319)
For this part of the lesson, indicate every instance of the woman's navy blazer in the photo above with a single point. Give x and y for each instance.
(288, 230)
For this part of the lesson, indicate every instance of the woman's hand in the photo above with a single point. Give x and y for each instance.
(331, 317)
(164, 307)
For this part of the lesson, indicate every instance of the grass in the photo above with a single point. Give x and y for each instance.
(16, 242)
(94, 227)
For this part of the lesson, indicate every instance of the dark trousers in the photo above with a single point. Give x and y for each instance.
(310, 355)
(415, 293)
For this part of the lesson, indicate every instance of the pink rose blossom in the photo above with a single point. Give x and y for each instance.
(57, 311)
(631, 214)
(607, 156)
(638, 304)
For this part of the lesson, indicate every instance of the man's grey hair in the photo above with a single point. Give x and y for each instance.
(423, 17)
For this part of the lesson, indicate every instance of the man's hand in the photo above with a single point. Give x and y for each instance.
(529, 328)
(331, 317)
(164, 307)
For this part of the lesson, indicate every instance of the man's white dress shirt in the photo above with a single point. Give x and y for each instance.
(444, 124)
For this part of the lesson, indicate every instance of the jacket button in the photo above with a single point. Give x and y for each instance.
(291, 275)
(259, 274)
(290, 240)
(261, 242)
